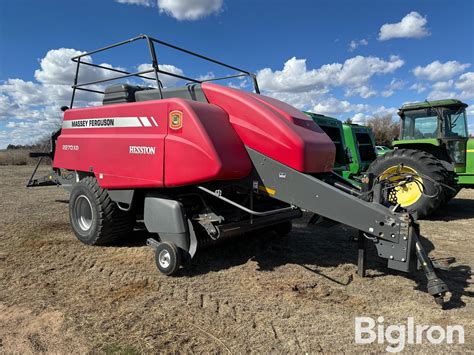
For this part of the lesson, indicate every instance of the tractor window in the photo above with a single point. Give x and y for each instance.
(455, 122)
(420, 124)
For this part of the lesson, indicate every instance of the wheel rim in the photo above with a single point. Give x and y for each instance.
(406, 194)
(164, 259)
(83, 212)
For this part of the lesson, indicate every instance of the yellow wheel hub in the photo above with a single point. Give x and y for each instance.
(406, 194)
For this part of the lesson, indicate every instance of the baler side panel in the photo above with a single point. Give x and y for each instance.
(275, 129)
(205, 148)
(107, 150)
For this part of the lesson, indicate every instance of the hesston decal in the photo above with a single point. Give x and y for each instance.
(133, 149)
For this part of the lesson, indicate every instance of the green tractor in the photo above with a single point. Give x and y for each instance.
(333, 128)
(433, 158)
(361, 143)
(355, 146)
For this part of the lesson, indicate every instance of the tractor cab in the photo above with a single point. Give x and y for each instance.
(440, 126)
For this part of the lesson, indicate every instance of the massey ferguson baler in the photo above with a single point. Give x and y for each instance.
(204, 162)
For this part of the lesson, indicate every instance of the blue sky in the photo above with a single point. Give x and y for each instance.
(342, 58)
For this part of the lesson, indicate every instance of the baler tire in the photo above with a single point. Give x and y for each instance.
(107, 222)
(168, 258)
(425, 164)
(283, 229)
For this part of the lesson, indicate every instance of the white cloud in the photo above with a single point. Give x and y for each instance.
(411, 26)
(466, 85)
(442, 85)
(26, 104)
(418, 87)
(209, 75)
(356, 43)
(166, 80)
(343, 109)
(387, 93)
(363, 91)
(333, 106)
(353, 73)
(395, 84)
(189, 9)
(360, 118)
(57, 68)
(436, 70)
(136, 2)
(442, 90)
(441, 95)
(18, 125)
(181, 9)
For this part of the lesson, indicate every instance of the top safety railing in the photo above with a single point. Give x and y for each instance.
(155, 68)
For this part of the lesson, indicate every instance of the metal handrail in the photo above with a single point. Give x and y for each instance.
(155, 68)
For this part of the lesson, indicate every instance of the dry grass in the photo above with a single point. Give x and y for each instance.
(286, 295)
(16, 157)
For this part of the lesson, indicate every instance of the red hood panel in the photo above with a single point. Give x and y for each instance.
(275, 129)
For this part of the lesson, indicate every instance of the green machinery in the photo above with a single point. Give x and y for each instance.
(355, 146)
(433, 159)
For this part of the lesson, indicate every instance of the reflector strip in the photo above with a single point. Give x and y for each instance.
(145, 121)
(267, 190)
(153, 119)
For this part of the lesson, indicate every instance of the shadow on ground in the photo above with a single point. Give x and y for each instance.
(456, 209)
(312, 248)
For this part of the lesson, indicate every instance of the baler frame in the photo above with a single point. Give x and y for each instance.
(155, 68)
(166, 213)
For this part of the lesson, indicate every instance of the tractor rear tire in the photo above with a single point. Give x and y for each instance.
(424, 164)
(94, 217)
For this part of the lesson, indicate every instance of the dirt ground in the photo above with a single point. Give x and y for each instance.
(294, 294)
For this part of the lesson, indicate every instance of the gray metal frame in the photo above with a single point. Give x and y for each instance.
(155, 71)
(395, 235)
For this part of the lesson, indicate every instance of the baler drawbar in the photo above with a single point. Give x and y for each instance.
(203, 162)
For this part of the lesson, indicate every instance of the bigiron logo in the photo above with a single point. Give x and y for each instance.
(398, 335)
(134, 149)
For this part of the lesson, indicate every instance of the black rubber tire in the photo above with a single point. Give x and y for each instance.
(108, 222)
(283, 229)
(173, 257)
(425, 164)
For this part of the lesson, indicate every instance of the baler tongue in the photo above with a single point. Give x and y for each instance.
(395, 235)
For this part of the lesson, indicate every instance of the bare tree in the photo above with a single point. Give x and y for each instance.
(385, 129)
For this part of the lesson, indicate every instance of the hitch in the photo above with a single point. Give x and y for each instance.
(48, 180)
(406, 256)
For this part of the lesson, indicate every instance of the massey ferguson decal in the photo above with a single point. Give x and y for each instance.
(109, 122)
(133, 149)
